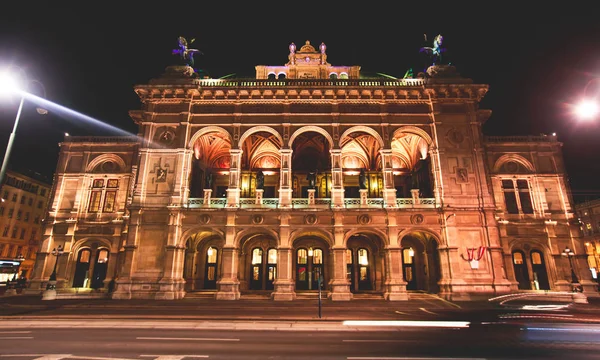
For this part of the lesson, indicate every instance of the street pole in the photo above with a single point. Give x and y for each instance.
(10, 142)
(320, 282)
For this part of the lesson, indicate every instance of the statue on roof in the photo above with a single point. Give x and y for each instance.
(434, 52)
(186, 54)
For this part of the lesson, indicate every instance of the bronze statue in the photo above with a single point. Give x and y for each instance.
(208, 180)
(186, 54)
(434, 52)
(260, 180)
(362, 179)
(312, 179)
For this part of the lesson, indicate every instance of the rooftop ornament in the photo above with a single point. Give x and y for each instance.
(434, 52)
(186, 54)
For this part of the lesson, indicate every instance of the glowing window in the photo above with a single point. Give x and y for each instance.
(348, 256)
(302, 256)
(95, 201)
(112, 183)
(109, 201)
(98, 183)
(518, 258)
(272, 257)
(406, 256)
(257, 256)
(363, 257)
(211, 255)
(536, 258)
(317, 256)
(84, 256)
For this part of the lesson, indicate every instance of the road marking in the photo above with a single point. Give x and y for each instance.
(53, 357)
(15, 337)
(427, 311)
(405, 323)
(401, 313)
(15, 332)
(31, 355)
(173, 357)
(188, 339)
(93, 358)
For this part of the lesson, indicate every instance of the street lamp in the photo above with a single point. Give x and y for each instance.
(569, 254)
(588, 107)
(8, 83)
(52, 281)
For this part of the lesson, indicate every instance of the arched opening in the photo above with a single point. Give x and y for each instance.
(520, 268)
(258, 263)
(311, 164)
(212, 266)
(411, 165)
(310, 264)
(82, 267)
(100, 268)
(271, 76)
(363, 263)
(421, 266)
(538, 267)
(261, 162)
(281, 76)
(210, 165)
(361, 165)
(333, 76)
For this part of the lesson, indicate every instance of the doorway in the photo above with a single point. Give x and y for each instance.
(520, 267)
(263, 269)
(211, 269)
(358, 270)
(309, 268)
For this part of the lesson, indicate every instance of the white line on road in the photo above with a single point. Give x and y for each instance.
(15, 337)
(173, 357)
(189, 339)
(15, 332)
(32, 355)
(405, 323)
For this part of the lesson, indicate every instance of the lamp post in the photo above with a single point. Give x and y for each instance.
(9, 84)
(50, 293)
(569, 254)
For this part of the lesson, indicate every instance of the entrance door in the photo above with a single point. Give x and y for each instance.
(100, 268)
(350, 273)
(520, 267)
(309, 268)
(540, 276)
(256, 275)
(210, 274)
(271, 268)
(408, 268)
(81, 268)
(364, 272)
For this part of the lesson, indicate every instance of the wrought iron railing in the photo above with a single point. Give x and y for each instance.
(303, 203)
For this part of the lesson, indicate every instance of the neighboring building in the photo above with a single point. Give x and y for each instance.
(23, 202)
(310, 173)
(589, 218)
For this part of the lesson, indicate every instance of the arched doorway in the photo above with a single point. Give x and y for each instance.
(538, 267)
(258, 263)
(82, 267)
(100, 268)
(363, 264)
(421, 262)
(310, 255)
(211, 268)
(202, 262)
(520, 268)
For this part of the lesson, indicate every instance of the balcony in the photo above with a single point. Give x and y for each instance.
(320, 203)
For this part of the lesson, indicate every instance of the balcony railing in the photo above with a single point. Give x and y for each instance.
(320, 203)
(258, 83)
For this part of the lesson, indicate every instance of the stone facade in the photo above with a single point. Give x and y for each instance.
(589, 220)
(254, 186)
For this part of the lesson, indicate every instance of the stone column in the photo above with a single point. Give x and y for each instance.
(124, 282)
(415, 196)
(340, 286)
(284, 284)
(395, 286)
(389, 190)
(285, 179)
(228, 285)
(337, 179)
(437, 175)
(233, 192)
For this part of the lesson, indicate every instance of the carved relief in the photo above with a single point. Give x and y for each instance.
(416, 219)
(455, 136)
(462, 176)
(257, 219)
(364, 219)
(310, 219)
(205, 219)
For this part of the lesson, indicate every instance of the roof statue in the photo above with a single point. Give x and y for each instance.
(434, 52)
(186, 54)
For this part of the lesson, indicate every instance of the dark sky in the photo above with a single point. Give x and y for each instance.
(536, 61)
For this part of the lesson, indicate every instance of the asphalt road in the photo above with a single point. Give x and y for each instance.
(493, 342)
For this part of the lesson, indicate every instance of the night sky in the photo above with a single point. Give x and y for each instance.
(89, 57)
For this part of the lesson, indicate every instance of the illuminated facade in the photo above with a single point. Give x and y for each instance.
(309, 174)
(23, 201)
(589, 220)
